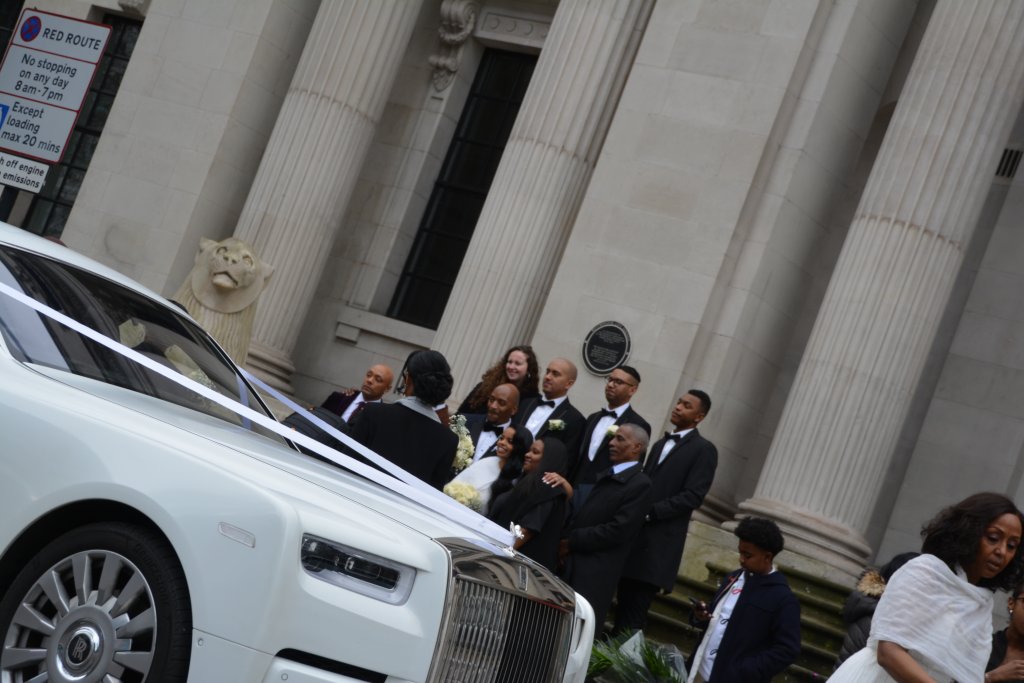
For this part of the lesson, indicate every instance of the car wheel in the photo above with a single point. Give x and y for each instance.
(105, 602)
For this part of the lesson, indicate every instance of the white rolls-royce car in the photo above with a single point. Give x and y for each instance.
(150, 531)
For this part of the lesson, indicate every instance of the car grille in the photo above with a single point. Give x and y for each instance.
(508, 621)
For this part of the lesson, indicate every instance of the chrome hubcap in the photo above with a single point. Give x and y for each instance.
(88, 619)
(79, 649)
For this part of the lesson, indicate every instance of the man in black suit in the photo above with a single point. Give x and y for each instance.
(552, 414)
(347, 404)
(681, 466)
(622, 383)
(341, 407)
(601, 531)
(485, 429)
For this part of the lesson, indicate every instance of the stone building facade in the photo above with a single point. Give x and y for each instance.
(809, 208)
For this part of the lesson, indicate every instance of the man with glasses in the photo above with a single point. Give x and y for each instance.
(593, 459)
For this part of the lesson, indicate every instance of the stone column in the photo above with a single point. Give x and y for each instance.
(539, 184)
(923, 198)
(312, 161)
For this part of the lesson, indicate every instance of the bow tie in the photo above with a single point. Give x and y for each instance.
(490, 427)
(673, 437)
(549, 404)
(608, 413)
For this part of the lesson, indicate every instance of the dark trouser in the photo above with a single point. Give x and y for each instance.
(634, 599)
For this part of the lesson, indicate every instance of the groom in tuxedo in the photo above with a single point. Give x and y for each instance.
(619, 389)
(551, 414)
(485, 429)
(681, 466)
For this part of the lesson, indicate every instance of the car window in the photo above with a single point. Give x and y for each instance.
(123, 315)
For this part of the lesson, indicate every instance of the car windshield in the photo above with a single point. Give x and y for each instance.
(124, 315)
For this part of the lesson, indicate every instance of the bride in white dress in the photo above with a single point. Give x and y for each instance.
(483, 473)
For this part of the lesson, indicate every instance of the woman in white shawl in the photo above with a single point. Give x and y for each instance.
(933, 624)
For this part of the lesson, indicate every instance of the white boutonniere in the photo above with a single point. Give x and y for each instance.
(556, 425)
(611, 430)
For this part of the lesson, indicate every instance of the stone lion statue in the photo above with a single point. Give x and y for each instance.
(221, 292)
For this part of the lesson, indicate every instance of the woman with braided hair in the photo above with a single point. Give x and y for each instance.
(408, 432)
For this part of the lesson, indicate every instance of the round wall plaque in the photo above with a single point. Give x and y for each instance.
(606, 347)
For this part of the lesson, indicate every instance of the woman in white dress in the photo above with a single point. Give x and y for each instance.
(933, 624)
(488, 475)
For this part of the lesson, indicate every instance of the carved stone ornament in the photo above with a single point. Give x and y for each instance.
(139, 7)
(457, 20)
(221, 292)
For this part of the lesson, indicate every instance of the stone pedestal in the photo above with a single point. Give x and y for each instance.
(539, 184)
(312, 161)
(890, 287)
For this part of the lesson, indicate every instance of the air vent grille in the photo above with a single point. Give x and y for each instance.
(1008, 163)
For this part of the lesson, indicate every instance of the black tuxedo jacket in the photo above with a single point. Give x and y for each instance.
(574, 421)
(679, 485)
(339, 401)
(585, 471)
(414, 442)
(601, 532)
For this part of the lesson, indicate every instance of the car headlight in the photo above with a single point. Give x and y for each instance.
(356, 570)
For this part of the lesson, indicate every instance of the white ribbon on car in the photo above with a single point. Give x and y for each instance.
(400, 481)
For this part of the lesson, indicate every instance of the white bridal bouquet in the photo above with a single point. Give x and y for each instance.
(464, 493)
(464, 451)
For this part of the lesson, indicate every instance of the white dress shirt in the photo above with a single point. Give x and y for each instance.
(353, 406)
(671, 443)
(541, 414)
(601, 429)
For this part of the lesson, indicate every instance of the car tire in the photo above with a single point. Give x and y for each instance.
(103, 599)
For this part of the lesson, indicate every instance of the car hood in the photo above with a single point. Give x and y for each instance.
(249, 454)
